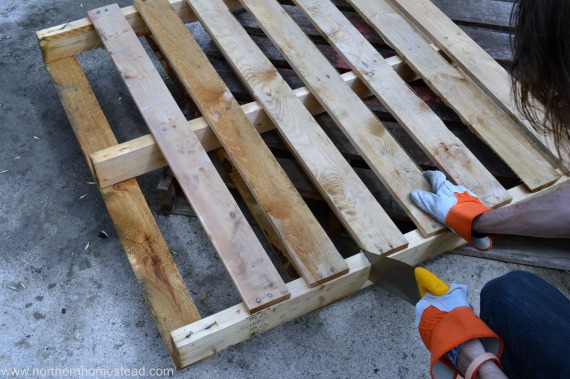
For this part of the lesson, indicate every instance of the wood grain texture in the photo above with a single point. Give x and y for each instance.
(494, 42)
(474, 107)
(141, 155)
(201, 340)
(539, 252)
(253, 274)
(352, 202)
(61, 41)
(258, 214)
(308, 245)
(442, 147)
(474, 61)
(381, 151)
(483, 13)
(162, 286)
(232, 327)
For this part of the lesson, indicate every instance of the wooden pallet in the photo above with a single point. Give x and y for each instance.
(474, 85)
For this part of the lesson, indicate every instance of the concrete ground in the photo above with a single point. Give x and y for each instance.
(68, 298)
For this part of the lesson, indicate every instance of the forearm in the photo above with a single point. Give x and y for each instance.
(471, 350)
(546, 216)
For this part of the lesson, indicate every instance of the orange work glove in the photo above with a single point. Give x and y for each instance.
(453, 206)
(445, 322)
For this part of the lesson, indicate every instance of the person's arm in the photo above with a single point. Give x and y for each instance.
(545, 216)
(458, 208)
(457, 339)
(471, 350)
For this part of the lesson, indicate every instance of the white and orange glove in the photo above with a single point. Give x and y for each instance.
(445, 322)
(454, 206)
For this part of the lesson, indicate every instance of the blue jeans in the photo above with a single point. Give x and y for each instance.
(533, 319)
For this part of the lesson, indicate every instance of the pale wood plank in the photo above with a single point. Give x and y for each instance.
(253, 274)
(381, 151)
(78, 36)
(540, 252)
(442, 147)
(311, 250)
(141, 155)
(126, 160)
(208, 336)
(71, 38)
(483, 13)
(160, 282)
(365, 220)
(476, 62)
(475, 108)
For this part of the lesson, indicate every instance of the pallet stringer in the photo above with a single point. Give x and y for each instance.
(162, 286)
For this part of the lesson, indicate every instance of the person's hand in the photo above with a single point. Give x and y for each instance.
(445, 323)
(454, 206)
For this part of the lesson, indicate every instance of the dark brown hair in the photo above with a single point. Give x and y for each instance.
(541, 66)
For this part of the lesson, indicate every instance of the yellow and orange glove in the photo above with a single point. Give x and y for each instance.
(454, 206)
(445, 322)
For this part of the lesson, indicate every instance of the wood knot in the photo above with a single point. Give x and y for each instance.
(120, 187)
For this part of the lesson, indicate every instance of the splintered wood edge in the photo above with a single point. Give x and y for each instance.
(62, 41)
(142, 155)
(206, 337)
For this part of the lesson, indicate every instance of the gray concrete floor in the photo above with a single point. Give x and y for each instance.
(63, 305)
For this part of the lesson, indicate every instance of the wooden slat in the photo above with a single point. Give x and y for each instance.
(253, 274)
(228, 327)
(475, 61)
(61, 41)
(368, 224)
(141, 155)
(443, 148)
(381, 151)
(483, 13)
(495, 42)
(162, 286)
(551, 253)
(313, 253)
(477, 110)
(249, 22)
